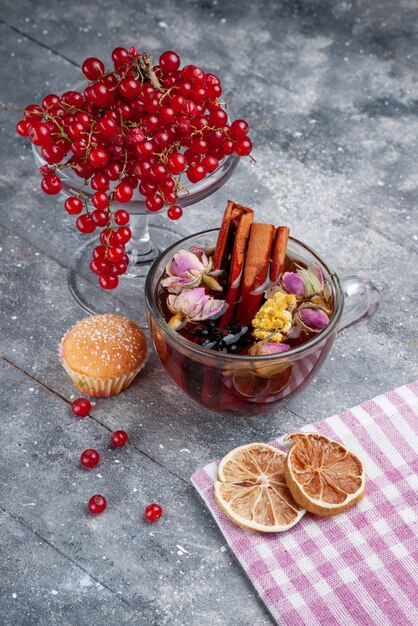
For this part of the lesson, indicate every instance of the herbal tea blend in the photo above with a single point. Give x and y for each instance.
(246, 295)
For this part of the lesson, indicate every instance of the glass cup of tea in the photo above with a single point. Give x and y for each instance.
(241, 382)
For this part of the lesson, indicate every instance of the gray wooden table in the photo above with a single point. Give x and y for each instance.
(330, 90)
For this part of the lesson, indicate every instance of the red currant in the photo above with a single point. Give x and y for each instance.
(210, 163)
(123, 192)
(175, 212)
(116, 253)
(169, 62)
(97, 504)
(176, 162)
(81, 407)
(154, 202)
(100, 200)
(51, 184)
(73, 205)
(39, 133)
(89, 458)
(119, 438)
(73, 99)
(33, 113)
(100, 182)
(108, 281)
(243, 147)
(100, 218)
(129, 88)
(113, 170)
(53, 152)
(120, 267)
(50, 100)
(196, 173)
(92, 68)
(22, 128)
(119, 57)
(121, 217)
(122, 235)
(153, 512)
(98, 158)
(107, 126)
(239, 129)
(85, 224)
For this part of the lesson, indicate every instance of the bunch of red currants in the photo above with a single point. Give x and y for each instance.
(136, 127)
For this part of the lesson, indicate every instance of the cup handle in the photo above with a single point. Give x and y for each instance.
(361, 300)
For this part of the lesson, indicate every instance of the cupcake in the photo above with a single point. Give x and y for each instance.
(102, 354)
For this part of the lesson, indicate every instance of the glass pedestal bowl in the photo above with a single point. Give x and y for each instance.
(147, 243)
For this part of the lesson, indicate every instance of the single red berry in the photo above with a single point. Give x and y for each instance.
(53, 153)
(119, 438)
(97, 504)
(153, 512)
(121, 217)
(169, 62)
(239, 129)
(218, 117)
(100, 200)
(129, 88)
(108, 281)
(89, 458)
(210, 163)
(120, 267)
(113, 170)
(154, 202)
(50, 100)
(73, 205)
(175, 212)
(228, 146)
(167, 115)
(123, 192)
(121, 235)
(100, 218)
(33, 113)
(73, 99)
(92, 68)
(39, 133)
(116, 253)
(99, 182)
(22, 128)
(98, 158)
(81, 407)
(85, 224)
(196, 173)
(107, 126)
(51, 184)
(243, 147)
(176, 162)
(200, 146)
(119, 57)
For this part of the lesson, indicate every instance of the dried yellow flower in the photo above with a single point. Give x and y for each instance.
(275, 315)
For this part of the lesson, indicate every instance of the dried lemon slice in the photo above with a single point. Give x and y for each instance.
(323, 476)
(252, 491)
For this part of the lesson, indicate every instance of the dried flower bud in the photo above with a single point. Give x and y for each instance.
(314, 319)
(260, 347)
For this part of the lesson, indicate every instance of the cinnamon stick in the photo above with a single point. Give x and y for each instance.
(230, 222)
(256, 268)
(278, 255)
(237, 262)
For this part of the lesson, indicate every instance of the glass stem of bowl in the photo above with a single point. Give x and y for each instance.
(140, 249)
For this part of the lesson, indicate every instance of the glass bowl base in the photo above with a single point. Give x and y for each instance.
(128, 298)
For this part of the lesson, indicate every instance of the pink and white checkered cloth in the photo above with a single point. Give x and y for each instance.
(360, 567)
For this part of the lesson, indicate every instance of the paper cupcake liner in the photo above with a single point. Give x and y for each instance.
(101, 387)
